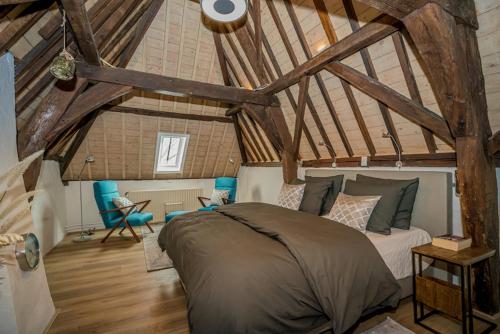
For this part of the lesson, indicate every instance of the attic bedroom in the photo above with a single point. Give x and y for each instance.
(249, 166)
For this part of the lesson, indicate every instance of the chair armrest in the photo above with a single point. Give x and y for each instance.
(201, 199)
(130, 207)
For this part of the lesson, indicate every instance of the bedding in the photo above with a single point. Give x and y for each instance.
(395, 249)
(291, 195)
(402, 219)
(331, 195)
(260, 268)
(353, 211)
(314, 193)
(385, 210)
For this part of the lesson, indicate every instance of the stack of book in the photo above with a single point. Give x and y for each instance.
(451, 242)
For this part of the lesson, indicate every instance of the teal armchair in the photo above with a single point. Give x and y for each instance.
(113, 217)
(221, 183)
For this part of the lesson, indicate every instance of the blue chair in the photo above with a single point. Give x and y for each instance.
(112, 216)
(221, 183)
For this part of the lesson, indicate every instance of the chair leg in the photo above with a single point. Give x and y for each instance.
(150, 228)
(123, 229)
(110, 232)
(136, 237)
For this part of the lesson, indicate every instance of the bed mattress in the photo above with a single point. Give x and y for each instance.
(395, 248)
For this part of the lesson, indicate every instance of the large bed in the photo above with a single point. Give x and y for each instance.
(260, 268)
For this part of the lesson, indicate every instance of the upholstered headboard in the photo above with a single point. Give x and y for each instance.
(433, 205)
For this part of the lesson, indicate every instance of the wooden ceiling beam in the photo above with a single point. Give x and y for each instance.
(172, 86)
(370, 33)
(494, 143)
(250, 50)
(258, 37)
(332, 39)
(288, 93)
(399, 103)
(167, 114)
(251, 139)
(409, 160)
(82, 30)
(450, 57)
(295, 63)
(411, 83)
(241, 62)
(239, 138)
(103, 93)
(21, 24)
(299, 119)
(319, 79)
(462, 10)
(370, 70)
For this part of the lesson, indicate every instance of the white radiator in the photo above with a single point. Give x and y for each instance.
(163, 200)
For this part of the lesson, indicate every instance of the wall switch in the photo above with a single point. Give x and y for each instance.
(364, 161)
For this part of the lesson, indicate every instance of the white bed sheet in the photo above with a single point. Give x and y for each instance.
(395, 248)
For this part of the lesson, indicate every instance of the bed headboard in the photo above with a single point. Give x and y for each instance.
(433, 205)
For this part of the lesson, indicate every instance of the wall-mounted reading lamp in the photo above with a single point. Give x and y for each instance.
(334, 163)
(399, 163)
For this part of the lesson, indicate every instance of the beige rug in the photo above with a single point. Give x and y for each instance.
(388, 326)
(155, 258)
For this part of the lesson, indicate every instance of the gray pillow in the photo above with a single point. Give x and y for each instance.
(332, 194)
(314, 194)
(382, 216)
(402, 219)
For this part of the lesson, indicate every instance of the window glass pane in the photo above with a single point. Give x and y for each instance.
(170, 152)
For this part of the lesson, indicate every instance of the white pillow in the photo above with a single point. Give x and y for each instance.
(353, 211)
(291, 195)
(218, 196)
(121, 202)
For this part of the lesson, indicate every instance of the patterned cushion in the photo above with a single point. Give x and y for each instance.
(353, 211)
(291, 195)
(121, 202)
(218, 196)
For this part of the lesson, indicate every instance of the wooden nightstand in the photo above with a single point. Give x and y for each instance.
(443, 296)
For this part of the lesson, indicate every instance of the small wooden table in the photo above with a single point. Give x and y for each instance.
(443, 296)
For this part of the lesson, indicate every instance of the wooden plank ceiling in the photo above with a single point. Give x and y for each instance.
(331, 107)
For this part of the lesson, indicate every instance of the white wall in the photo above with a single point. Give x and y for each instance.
(26, 306)
(49, 207)
(262, 184)
(90, 211)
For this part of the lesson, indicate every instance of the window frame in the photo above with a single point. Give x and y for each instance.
(182, 151)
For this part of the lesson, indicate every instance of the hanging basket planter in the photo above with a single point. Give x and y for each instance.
(63, 66)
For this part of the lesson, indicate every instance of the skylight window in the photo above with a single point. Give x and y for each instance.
(170, 152)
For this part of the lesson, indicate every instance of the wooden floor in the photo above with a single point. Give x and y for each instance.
(104, 288)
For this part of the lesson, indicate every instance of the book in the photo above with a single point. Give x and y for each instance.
(451, 242)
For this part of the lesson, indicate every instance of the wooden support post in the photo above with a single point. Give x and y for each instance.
(451, 58)
(299, 119)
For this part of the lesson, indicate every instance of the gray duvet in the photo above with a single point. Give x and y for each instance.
(259, 268)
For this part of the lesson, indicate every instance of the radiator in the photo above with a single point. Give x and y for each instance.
(163, 200)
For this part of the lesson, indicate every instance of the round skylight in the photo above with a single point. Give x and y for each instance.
(224, 11)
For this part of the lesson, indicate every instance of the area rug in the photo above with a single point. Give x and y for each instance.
(388, 326)
(155, 258)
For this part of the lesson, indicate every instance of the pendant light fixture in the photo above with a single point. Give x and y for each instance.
(63, 65)
(224, 11)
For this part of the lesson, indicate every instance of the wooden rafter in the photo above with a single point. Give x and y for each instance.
(411, 83)
(239, 138)
(370, 33)
(173, 86)
(494, 143)
(251, 139)
(299, 118)
(288, 93)
(167, 114)
(332, 39)
(21, 24)
(407, 108)
(32, 136)
(450, 54)
(370, 70)
(319, 79)
(82, 30)
(241, 62)
(295, 63)
(258, 37)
